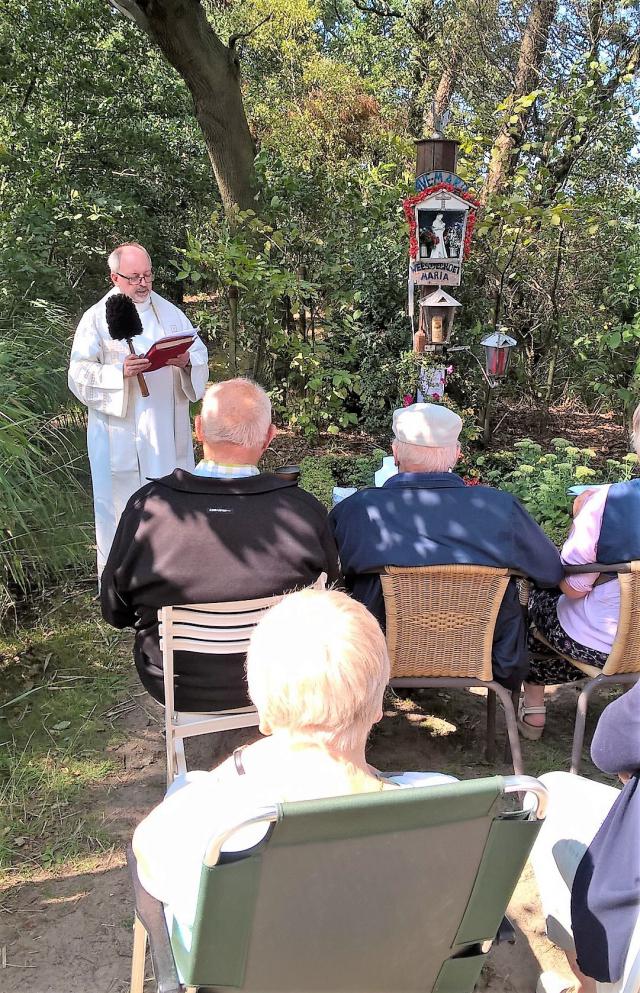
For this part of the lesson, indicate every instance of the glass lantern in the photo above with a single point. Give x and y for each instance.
(497, 353)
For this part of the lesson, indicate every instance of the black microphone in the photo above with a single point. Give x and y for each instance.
(123, 323)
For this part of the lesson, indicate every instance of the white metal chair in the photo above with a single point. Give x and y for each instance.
(207, 629)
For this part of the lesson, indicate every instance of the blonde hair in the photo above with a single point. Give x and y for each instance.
(425, 459)
(635, 430)
(236, 411)
(317, 666)
(114, 259)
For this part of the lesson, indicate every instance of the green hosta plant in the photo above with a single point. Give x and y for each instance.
(540, 479)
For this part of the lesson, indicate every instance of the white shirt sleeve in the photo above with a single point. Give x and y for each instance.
(97, 378)
(581, 546)
(171, 842)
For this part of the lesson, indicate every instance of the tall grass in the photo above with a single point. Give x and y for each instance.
(44, 509)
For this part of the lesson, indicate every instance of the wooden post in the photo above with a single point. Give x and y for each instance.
(436, 153)
(432, 154)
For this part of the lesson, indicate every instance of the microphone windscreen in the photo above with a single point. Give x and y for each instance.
(123, 320)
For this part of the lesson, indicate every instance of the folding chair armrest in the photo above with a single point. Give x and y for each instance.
(151, 913)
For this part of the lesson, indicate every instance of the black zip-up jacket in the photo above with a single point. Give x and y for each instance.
(195, 539)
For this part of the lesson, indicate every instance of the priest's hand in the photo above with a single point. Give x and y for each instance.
(180, 361)
(134, 365)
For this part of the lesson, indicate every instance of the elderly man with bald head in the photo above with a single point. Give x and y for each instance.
(223, 532)
(131, 437)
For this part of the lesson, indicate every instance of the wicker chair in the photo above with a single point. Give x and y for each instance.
(623, 664)
(440, 624)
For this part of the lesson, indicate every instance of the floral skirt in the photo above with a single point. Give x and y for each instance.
(545, 666)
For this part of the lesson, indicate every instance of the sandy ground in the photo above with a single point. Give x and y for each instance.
(70, 931)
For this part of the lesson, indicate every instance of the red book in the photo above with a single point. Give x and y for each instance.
(168, 348)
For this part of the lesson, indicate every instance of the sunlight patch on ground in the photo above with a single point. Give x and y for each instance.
(435, 725)
(72, 898)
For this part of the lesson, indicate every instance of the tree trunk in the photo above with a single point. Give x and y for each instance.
(556, 325)
(506, 149)
(444, 91)
(211, 70)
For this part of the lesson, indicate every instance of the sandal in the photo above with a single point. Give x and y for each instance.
(529, 731)
(553, 982)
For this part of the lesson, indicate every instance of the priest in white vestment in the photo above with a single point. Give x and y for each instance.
(132, 438)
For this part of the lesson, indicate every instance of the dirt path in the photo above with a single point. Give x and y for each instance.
(70, 931)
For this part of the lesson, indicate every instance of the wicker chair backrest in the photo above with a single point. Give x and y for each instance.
(441, 619)
(625, 653)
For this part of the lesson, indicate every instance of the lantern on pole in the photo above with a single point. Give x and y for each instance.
(497, 353)
(438, 310)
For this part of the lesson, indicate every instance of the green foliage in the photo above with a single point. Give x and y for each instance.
(315, 395)
(43, 506)
(60, 678)
(97, 145)
(295, 306)
(321, 473)
(540, 479)
(317, 478)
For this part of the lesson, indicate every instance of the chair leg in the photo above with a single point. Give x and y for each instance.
(506, 700)
(139, 956)
(515, 702)
(580, 725)
(176, 759)
(181, 760)
(490, 748)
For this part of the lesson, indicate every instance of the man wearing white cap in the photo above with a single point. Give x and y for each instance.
(425, 515)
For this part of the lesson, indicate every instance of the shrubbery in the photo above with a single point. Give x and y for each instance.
(538, 479)
(321, 473)
(44, 509)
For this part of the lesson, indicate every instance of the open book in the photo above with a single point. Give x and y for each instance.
(168, 348)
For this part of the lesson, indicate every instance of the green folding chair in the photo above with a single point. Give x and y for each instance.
(398, 891)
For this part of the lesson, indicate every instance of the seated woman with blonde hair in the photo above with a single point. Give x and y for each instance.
(317, 668)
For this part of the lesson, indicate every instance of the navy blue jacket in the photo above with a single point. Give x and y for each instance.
(434, 519)
(605, 896)
(619, 539)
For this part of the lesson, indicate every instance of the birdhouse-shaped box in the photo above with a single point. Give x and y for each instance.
(441, 222)
(439, 310)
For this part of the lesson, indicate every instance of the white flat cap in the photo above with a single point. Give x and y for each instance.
(428, 424)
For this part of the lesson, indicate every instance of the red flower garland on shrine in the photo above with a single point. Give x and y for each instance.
(409, 212)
